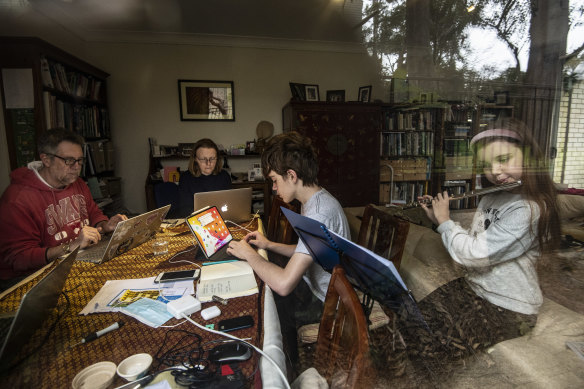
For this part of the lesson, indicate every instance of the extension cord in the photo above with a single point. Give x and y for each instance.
(186, 305)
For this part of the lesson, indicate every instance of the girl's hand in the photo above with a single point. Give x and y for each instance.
(440, 210)
(441, 206)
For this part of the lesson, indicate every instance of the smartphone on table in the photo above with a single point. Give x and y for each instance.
(178, 275)
(236, 323)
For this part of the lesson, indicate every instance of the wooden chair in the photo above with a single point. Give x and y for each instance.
(383, 233)
(279, 229)
(342, 348)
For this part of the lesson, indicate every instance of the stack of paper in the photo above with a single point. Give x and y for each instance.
(226, 280)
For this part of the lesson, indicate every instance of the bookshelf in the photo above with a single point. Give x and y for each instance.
(407, 143)
(44, 87)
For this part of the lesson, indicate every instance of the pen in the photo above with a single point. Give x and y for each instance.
(94, 335)
(218, 262)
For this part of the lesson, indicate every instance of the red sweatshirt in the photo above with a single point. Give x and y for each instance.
(34, 217)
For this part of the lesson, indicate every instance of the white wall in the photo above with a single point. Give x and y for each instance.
(144, 102)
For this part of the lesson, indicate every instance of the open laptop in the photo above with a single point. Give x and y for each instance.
(235, 204)
(35, 306)
(127, 235)
(211, 233)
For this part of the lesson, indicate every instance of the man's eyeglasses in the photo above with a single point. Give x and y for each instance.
(70, 161)
(207, 160)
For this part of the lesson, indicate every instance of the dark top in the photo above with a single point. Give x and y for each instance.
(189, 185)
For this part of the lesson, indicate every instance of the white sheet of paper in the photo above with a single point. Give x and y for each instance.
(111, 289)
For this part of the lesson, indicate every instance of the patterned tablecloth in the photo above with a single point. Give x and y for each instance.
(55, 364)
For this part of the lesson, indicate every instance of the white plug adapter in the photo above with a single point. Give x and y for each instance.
(186, 304)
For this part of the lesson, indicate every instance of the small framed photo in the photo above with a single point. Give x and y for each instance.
(335, 95)
(206, 100)
(365, 94)
(502, 98)
(298, 91)
(311, 92)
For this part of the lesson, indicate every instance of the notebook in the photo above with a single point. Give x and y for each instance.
(127, 235)
(235, 204)
(35, 307)
(213, 236)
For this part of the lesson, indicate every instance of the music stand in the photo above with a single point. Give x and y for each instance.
(374, 275)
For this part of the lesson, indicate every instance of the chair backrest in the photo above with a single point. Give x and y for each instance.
(383, 233)
(279, 229)
(343, 342)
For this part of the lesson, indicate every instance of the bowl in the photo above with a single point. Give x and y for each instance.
(134, 366)
(96, 376)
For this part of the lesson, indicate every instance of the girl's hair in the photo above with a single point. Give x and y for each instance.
(293, 151)
(207, 144)
(537, 184)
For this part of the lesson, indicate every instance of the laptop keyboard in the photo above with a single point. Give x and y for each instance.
(94, 253)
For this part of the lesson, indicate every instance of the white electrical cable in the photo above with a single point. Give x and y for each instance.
(280, 373)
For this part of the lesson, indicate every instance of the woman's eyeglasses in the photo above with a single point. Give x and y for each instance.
(70, 161)
(207, 160)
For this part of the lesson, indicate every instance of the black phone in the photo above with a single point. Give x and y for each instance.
(179, 275)
(236, 323)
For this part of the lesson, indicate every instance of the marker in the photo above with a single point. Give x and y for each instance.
(219, 299)
(94, 335)
(218, 262)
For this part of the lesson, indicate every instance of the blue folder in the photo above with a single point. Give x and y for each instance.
(373, 274)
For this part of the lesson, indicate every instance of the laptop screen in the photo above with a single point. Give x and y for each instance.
(210, 230)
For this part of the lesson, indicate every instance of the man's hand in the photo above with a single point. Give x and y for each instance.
(86, 237)
(110, 225)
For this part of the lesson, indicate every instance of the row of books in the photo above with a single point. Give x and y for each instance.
(89, 121)
(73, 83)
(409, 143)
(402, 193)
(458, 187)
(421, 120)
(99, 158)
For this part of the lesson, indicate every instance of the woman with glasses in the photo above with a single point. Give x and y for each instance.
(205, 174)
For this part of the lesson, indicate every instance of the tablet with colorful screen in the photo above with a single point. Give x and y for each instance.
(208, 227)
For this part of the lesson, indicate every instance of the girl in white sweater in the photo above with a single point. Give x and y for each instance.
(499, 296)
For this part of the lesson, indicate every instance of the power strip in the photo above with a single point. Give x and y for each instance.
(186, 305)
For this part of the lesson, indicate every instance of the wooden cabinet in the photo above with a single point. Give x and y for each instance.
(346, 136)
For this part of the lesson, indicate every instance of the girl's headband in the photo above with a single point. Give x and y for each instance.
(496, 132)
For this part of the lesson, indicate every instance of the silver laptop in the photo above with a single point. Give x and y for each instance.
(127, 235)
(234, 204)
(35, 306)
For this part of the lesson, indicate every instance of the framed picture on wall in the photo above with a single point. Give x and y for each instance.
(311, 92)
(206, 100)
(335, 95)
(365, 94)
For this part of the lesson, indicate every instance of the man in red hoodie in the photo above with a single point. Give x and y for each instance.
(47, 211)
